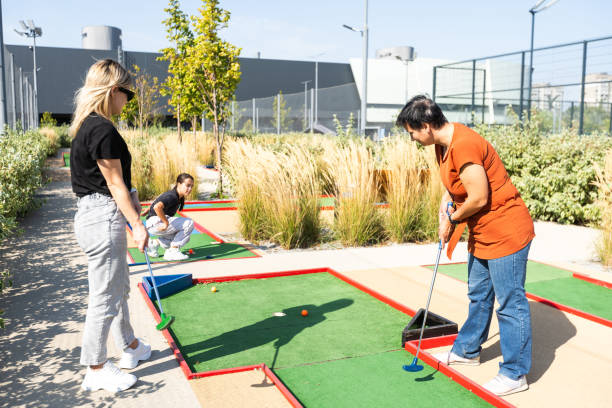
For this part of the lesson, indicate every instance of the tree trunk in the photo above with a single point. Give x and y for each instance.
(219, 164)
(178, 123)
(194, 124)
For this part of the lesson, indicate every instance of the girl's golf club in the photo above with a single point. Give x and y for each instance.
(166, 320)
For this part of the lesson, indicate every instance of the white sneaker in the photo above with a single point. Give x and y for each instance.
(174, 254)
(152, 248)
(108, 377)
(131, 357)
(448, 357)
(502, 385)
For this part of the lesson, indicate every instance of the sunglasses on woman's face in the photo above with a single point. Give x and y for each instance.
(127, 92)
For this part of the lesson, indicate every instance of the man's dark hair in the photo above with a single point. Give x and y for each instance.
(420, 110)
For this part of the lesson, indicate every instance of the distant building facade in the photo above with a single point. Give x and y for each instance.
(598, 88)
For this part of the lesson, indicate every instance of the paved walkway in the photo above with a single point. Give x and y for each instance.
(45, 311)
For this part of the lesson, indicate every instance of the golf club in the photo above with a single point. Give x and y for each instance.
(414, 366)
(166, 320)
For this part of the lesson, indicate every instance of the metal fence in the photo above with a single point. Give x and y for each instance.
(21, 110)
(571, 86)
(298, 112)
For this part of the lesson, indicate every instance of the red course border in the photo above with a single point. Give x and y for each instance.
(560, 306)
(410, 346)
(465, 382)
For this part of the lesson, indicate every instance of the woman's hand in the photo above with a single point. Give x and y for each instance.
(445, 230)
(140, 235)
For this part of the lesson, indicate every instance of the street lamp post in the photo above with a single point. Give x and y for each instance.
(31, 31)
(535, 9)
(364, 79)
(305, 104)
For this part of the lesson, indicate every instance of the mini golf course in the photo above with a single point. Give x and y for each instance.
(554, 284)
(202, 246)
(346, 352)
(325, 203)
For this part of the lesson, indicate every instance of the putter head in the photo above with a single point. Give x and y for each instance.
(413, 367)
(166, 321)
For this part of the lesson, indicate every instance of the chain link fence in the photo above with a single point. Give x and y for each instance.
(571, 86)
(298, 112)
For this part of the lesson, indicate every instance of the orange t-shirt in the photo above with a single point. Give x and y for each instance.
(503, 226)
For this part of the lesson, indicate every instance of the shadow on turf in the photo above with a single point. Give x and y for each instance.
(280, 330)
(550, 330)
(49, 295)
(223, 250)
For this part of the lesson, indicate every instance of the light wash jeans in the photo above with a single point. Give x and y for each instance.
(100, 231)
(177, 234)
(503, 278)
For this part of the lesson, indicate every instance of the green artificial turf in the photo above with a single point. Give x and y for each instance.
(236, 326)
(554, 284)
(204, 206)
(576, 293)
(66, 159)
(204, 247)
(327, 202)
(376, 380)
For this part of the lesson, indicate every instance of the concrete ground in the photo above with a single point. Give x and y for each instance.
(45, 311)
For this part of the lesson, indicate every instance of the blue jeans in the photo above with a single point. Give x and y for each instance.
(503, 278)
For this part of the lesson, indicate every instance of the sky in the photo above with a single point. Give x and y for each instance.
(312, 30)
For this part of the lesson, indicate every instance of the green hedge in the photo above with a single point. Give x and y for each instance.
(22, 156)
(554, 173)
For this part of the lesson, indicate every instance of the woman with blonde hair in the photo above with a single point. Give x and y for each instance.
(100, 169)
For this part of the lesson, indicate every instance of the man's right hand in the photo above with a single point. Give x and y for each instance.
(162, 227)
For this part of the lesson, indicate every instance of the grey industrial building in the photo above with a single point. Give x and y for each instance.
(61, 72)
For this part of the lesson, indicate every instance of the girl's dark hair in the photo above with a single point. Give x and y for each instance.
(179, 180)
(420, 110)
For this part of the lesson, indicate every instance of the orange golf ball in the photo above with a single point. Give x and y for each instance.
(213, 289)
(304, 312)
(191, 251)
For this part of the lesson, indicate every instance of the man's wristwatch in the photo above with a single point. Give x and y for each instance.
(453, 222)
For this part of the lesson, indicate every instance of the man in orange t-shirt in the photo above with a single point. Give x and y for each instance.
(500, 234)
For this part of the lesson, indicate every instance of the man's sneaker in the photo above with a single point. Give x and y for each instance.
(131, 357)
(174, 254)
(502, 385)
(448, 357)
(152, 248)
(108, 377)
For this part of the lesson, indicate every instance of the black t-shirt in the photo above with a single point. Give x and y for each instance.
(97, 138)
(171, 202)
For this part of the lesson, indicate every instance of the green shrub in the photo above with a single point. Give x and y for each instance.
(64, 137)
(22, 156)
(554, 173)
(47, 120)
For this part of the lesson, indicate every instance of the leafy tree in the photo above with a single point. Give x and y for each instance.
(215, 71)
(140, 111)
(177, 85)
